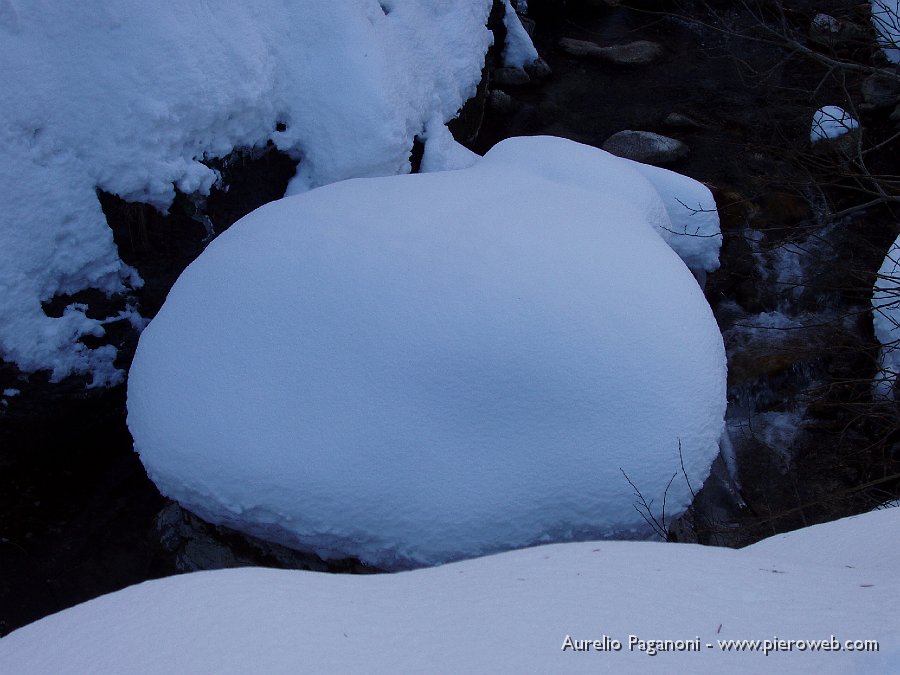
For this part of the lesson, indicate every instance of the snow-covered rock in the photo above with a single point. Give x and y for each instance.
(518, 51)
(826, 589)
(886, 320)
(830, 122)
(422, 368)
(132, 97)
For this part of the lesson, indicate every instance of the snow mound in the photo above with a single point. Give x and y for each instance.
(831, 121)
(132, 97)
(422, 368)
(886, 320)
(510, 613)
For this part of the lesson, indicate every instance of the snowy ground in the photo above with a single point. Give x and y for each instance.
(516, 612)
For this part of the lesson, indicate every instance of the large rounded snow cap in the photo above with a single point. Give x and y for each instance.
(422, 368)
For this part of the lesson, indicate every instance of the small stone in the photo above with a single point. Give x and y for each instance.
(676, 120)
(646, 147)
(510, 77)
(538, 69)
(636, 53)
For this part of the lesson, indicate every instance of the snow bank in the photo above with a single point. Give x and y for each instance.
(831, 121)
(422, 368)
(509, 613)
(132, 96)
(886, 19)
(886, 320)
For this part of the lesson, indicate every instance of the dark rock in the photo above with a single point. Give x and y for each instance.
(645, 146)
(467, 124)
(538, 69)
(826, 31)
(199, 545)
(501, 102)
(881, 90)
(676, 120)
(636, 53)
(510, 77)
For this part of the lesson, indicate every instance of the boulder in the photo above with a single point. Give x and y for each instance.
(646, 147)
(636, 53)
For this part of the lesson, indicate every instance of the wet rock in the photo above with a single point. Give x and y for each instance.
(636, 53)
(646, 147)
(676, 120)
(510, 77)
(538, 69)
(881, 90)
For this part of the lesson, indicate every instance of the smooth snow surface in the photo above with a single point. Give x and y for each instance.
(831, 121)
(131, 96)
(886, 320)
(886, 19)
(422, 368)
(508, 613)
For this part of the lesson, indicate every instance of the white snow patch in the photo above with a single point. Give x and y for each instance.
(131, 97)
(442, 151)
(693, 230)
(518, 51)
(11, 392)
(422, 368)
(886, 320)
(831, 121)
(886, 19)
(509, 613)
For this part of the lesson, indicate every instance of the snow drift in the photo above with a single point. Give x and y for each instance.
(132, 97)
(422, 368)
(837, 583)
